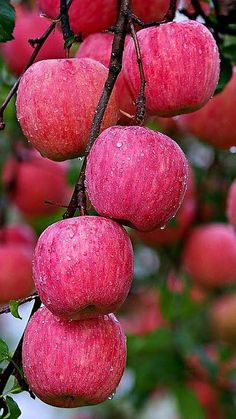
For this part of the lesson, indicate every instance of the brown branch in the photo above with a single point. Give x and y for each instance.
(6, 309)
(17, 357)
(141, 99)
(78, 199)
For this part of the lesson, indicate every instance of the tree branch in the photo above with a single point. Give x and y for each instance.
(6, 309)
(78, 199)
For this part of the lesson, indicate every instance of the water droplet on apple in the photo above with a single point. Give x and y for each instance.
(111, 396)
(119, 144)
(162, 227)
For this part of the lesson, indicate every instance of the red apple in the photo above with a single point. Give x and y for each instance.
(187, 4)
(17, 52)
(181, 66)
(231, 204)
(83, 267)
(137, 176)
(16, 272)
(141, 313)
(223, 318)
(177, 228)
(88, 17)
(18, 234)
(197, 294)
(52, 109)
(215, 122)
(209, 255)
(98, 47)
(208, 397)
(72, 364)
(35, 180)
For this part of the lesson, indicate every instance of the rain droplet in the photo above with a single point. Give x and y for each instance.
(119, 144)
(162, 227)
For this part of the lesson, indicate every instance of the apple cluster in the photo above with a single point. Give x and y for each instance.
(135, 177)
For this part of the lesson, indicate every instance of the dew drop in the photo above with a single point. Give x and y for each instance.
(119, 144)
(162, 227)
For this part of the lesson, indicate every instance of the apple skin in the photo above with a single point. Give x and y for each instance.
(167, 51)
(72, 364)
(141, 313)
(83, 267)
(215, 122)
(98, 47)
(30, 25)
(19, 234)
(143, 178)
(222, 317)
(16, 272)
(184, 218)
(35, 180)
(209, 255)
(88, 16)
(58, 124)
(231, 204)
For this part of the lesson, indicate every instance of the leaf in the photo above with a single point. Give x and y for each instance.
(188, 404)
(13, 409)
(14, 306)
(4, 351)
(7, 20)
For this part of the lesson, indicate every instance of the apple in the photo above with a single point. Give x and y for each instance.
(137, 176)
(231, 204)
(33, 181)
(176, 229)
(223, 318)
(51, 105)
(29, 24)
(181, 66)
(208, 397)
(209, 255)
(16, 272)
(19, 234)
(215, 122)
(98, 47)
(187, 4)
(141, 313)
(88, 17)
(83, 267)
(72, 364)
(175, 284)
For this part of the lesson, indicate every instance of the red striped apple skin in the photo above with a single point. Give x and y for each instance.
(209, 255)
(181, 66)
(83, 267)
(72, 364)
(136, 175)
(215, 122)
(51, 105)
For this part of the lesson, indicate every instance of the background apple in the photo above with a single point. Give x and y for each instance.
(30, 25)
(231, 204)
(215, 123)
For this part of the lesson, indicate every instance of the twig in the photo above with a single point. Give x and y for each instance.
(31, 297)
(141, 99)
(17, 357)
(78, 199)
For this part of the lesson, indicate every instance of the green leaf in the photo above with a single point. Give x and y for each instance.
(4, 351)
(14, 306)
(188, 404)
(226, 71)
(7, 20)
(13, 409)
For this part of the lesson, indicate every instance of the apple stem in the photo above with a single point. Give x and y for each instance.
(78, 200)
(141, 99)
